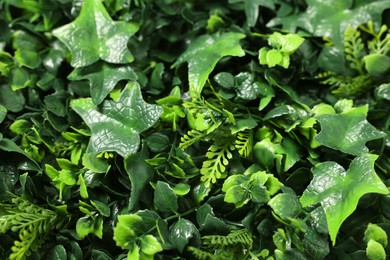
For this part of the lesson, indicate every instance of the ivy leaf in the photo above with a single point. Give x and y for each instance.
(339, 191)
(352, 136)
(103, 77)
(94, 35)
(203, 54)
(181, 233)
(331, 18)
(116, 128)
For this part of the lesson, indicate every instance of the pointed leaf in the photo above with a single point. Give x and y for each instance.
(181, 232)
(164, 197)
(102, 78)
(117, 127)
(347, 132)
(203, 54)
(339, 191)
(93, 36)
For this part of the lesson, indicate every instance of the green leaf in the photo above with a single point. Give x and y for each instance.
(181, 232)
(376, 233)
(164, 197)
(352, 136)
(339, 191)
(102, 78)
(150, 245)
(93, 36)
(57, 252)
(84, 226)
(181, 189)
(126, 229)
(3, 113)
(331, 18)
(285, 205)
(383, 91)
(251, 8)
(375, 251)
(140, 174)
(203, 54)
(377, 65)
(116, 128)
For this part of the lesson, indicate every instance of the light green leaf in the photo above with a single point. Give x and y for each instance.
(103, 77)
(203, 54)
(150, 245)
(125, 230)
(181, 189)
(93, 36)
(377, 65)
(164, 197)
(347, 132)
(116, 128)
(375, 233)
(339, 191)
(375, 251)
(84, 226)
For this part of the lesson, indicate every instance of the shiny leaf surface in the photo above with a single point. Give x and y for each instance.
(116, 128)
(338, 191)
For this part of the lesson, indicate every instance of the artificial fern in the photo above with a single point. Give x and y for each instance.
(32, 222)
(240, 236)
(237, 243)
(244, 142)
(218, 156)
(190, 138)
(355, 53)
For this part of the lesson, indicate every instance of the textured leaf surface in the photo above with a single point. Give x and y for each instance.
(331, 18)
(339, 191)
(203, 54)
(94, 35)
(347, 132)
(116, 128)
(102, 78)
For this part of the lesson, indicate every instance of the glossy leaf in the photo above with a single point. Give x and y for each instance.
(181, 232)
(93, 36)
(3, 113)
(116, 128)
(350, 138)
(140, 174)
(102, 78)
(375, 251)
(164, 197)
(339, 191)
(150, 245)
(203, 54)
(331, 18)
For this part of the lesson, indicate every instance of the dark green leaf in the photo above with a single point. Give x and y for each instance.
(164, 197)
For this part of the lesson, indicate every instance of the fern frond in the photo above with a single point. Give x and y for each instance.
(244, 142)
(353, 48)
(348, 86)
(32, 222)
(218, 158)
(204, 255)
(379, 44)
(240, 236)
(190, 138)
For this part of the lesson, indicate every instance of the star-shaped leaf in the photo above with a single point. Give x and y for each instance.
(117, 126)
(94, 35)
(339, 191)
(103, 77)
(330, 18)
(203, 54)
(347, 132)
